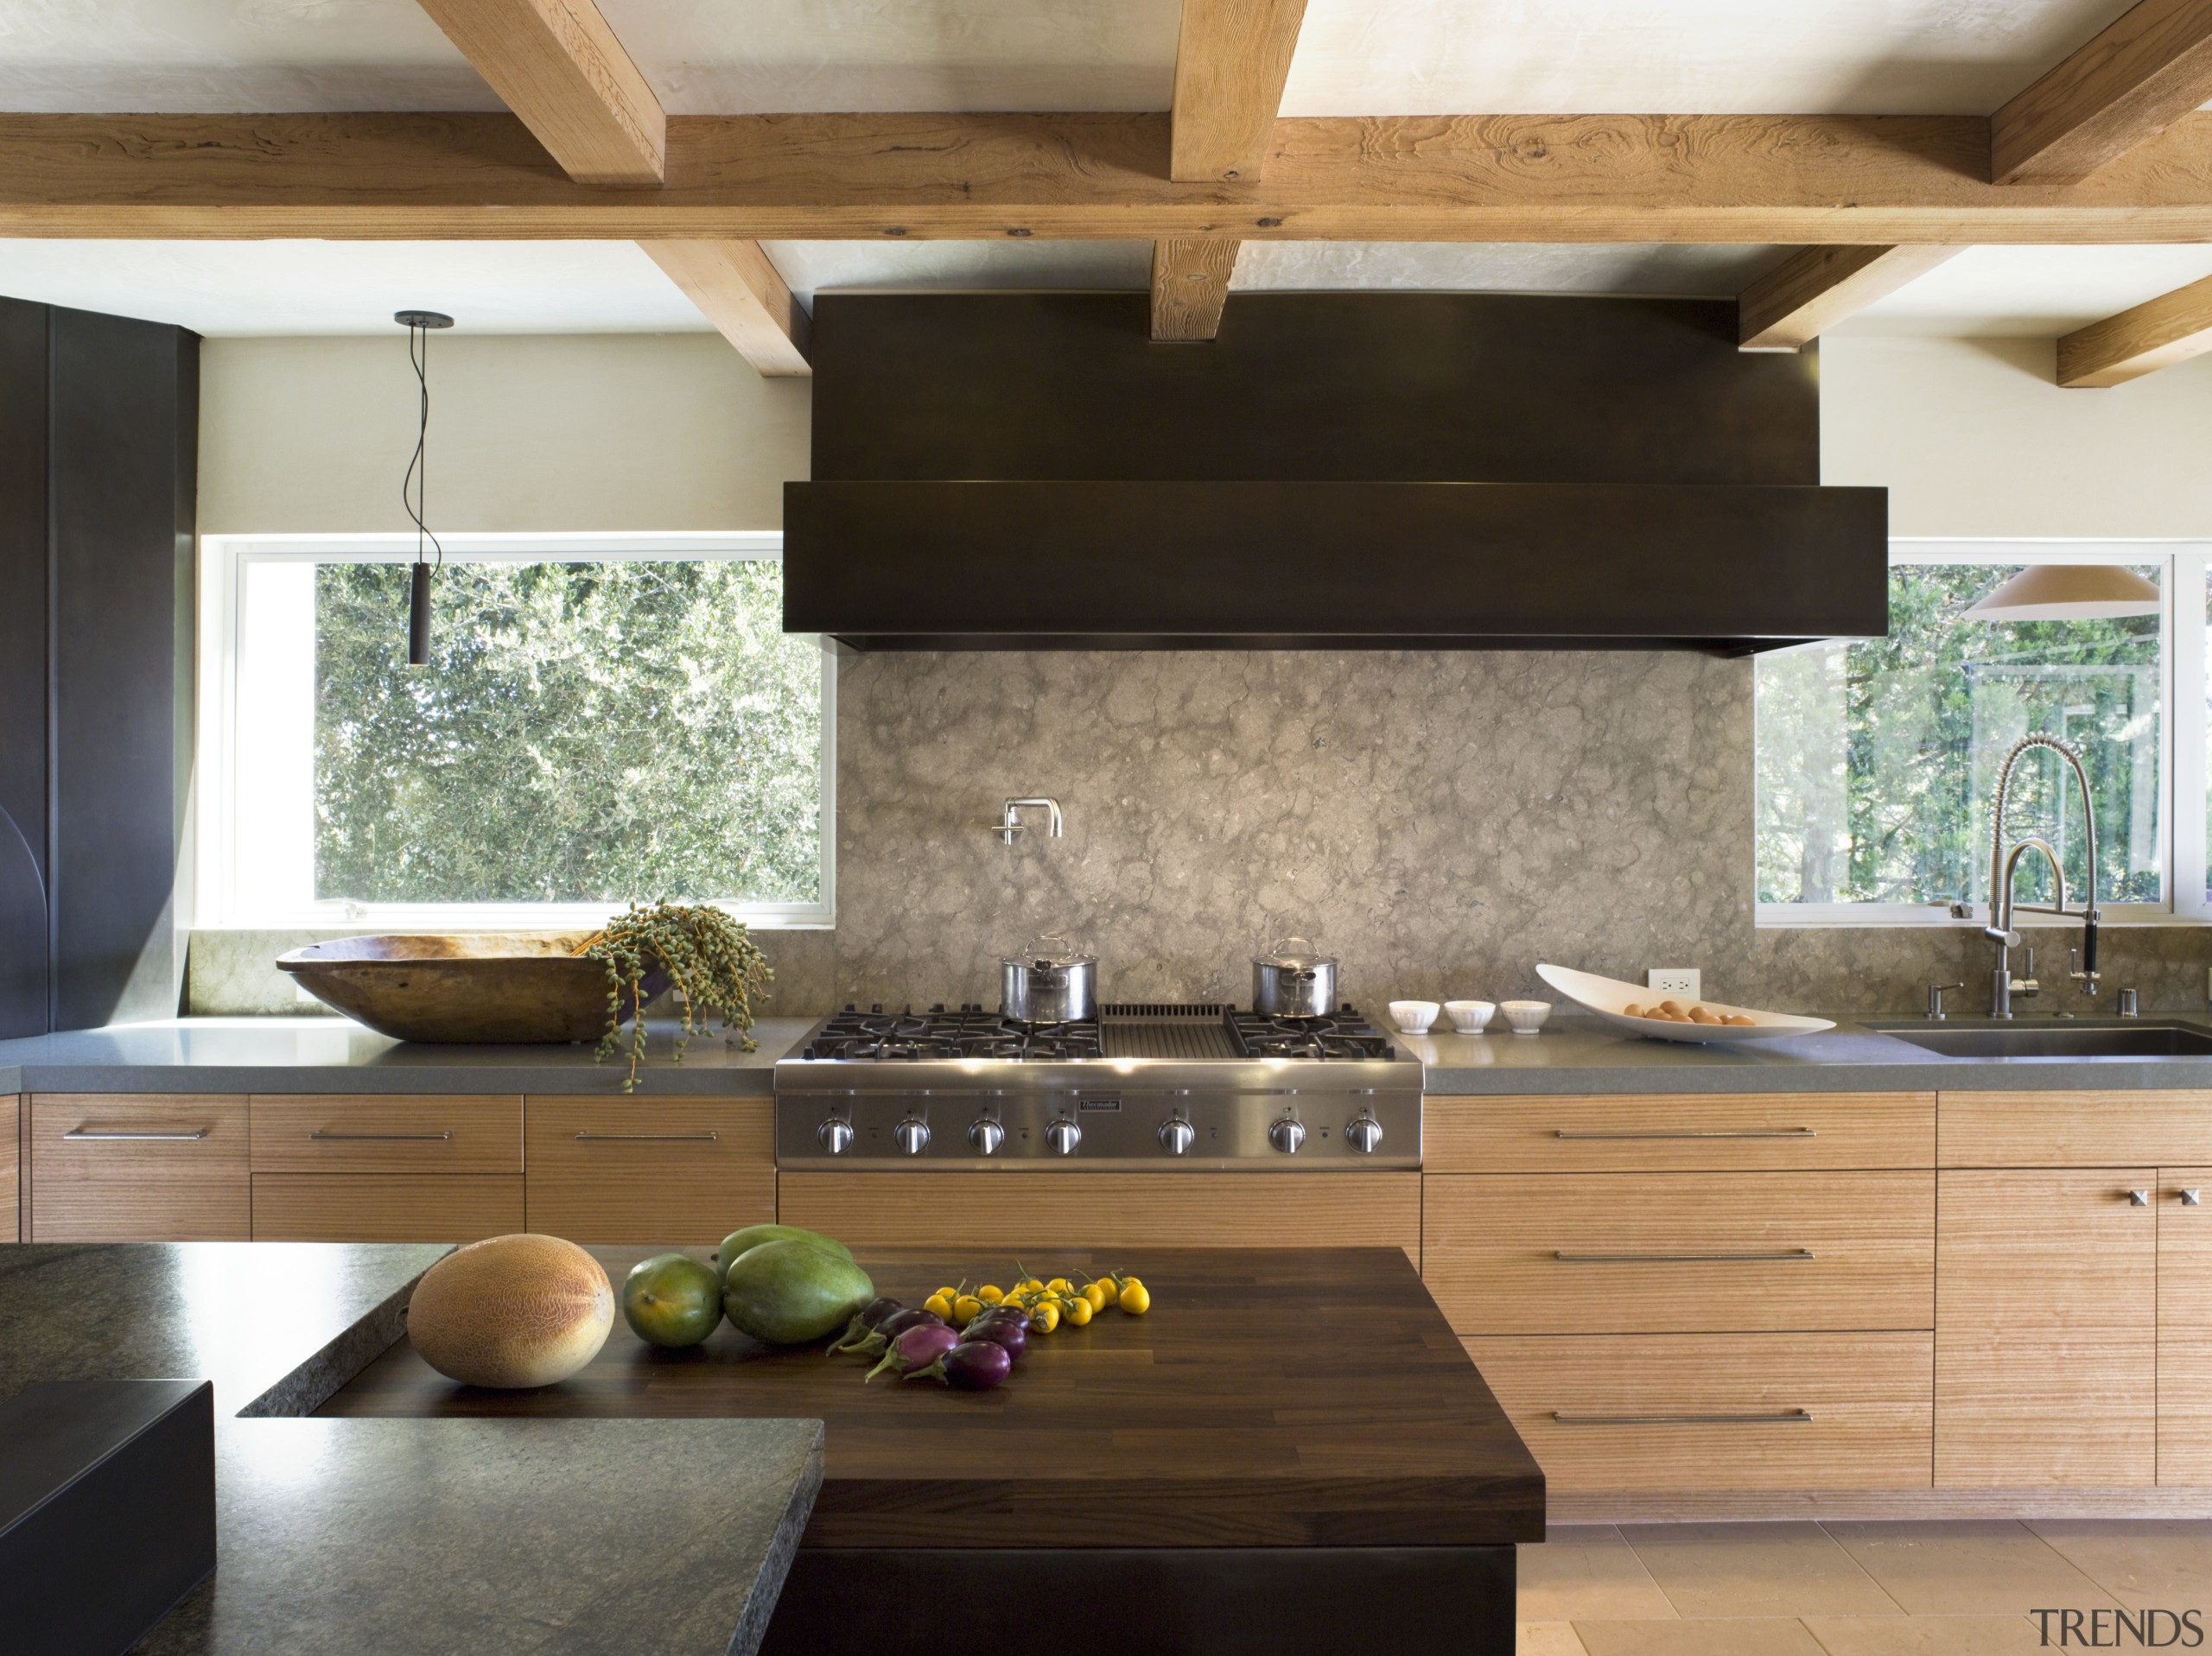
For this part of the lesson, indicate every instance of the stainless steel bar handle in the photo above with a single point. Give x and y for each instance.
(1727, 1133)
(1787, 1255)
(1776, 1417)
(706, 1137)
(386, 1138)
(85, 1134)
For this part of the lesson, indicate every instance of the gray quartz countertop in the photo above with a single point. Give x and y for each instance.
(411, 1537)
(1573, 1055)
(336, 1055)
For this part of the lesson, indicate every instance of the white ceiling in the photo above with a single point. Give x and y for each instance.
(297, 287)
(1355, 56)
(1371, 57)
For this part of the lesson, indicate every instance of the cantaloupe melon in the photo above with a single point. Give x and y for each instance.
(513, 1311)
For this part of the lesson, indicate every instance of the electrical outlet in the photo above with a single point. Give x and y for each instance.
(1673, 981)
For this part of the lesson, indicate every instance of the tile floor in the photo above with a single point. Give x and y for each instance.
(1933, 1589)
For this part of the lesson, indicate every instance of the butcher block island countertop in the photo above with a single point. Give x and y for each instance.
(1271, 1398)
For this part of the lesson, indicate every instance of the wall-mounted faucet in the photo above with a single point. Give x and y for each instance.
(1013, 827)
(2002, 866)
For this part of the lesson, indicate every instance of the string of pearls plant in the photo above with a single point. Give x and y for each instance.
(711, 963)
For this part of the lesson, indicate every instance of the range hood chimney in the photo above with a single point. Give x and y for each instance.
(1336, 470)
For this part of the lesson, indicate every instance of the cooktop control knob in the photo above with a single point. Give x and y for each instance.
(1362, 1133)
(1287, 1134)
(987, 1135)
(1176, 1135)
(912, 1134)
(836, 1135)
(1063, 1135)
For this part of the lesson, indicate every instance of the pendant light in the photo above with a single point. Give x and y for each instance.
(420, 325)
(2068, 591)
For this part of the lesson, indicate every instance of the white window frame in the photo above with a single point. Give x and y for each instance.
(220, 899)
(2181, 765)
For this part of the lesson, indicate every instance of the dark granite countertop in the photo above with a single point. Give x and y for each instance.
(411, 1537)
(1573, 1054)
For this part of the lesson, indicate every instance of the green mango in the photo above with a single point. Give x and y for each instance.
(672, 1300)
(787, 1291)
(753, 1235)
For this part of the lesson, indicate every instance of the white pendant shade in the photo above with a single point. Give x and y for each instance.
(2068, 591)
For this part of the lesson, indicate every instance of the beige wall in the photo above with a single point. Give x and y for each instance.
(604, 432)
(1971, 438)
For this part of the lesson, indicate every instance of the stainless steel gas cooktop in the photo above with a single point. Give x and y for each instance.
(1156, 1088)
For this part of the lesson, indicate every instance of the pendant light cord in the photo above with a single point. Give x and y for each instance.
(412, 485)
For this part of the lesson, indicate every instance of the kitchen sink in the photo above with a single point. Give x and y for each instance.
(2054, 1040)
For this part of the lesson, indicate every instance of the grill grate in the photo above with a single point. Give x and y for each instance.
(1139, 1030)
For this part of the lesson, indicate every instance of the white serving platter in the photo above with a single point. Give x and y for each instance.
(1606, 996)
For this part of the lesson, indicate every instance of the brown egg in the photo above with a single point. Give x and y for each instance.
(1631, 1011)
(1699, 1015)
(513, 1311)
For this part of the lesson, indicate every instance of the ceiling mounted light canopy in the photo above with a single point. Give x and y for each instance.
(2068, 591)
(419, 324)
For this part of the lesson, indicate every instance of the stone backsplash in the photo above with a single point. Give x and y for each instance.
(1439, 821)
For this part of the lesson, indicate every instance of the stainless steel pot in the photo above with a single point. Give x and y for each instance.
(1048, 983)
(1292, 979)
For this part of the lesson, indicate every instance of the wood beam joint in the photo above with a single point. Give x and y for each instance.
(744, 295)
(1815, 288)
(2148, 69)
(1190, 282)
(1231, 59)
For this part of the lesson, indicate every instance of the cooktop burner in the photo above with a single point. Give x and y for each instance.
(1342, 1034)
(970, 1031)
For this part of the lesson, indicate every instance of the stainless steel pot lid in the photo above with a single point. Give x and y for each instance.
(1049, 951)
(1294, 955)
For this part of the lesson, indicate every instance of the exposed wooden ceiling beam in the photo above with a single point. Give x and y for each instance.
(2151, 66)
(1815, 288)
(744, 295)
(1232, 61)
(558, 66)
(2155, 334)
(1189, 280)
(1804, 179)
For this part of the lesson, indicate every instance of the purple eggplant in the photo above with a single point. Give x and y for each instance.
(1004, 1332)
(918, 1347)
(899, 1322)
(971, 1366)
(865, 1322)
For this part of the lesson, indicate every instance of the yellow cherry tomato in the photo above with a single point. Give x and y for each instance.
(1094, 1295)
(1044, 1317)
(1059, 1285)
(1028, 1285)
(938, 1305)
(1136, 1298)
(966, 1310)
(990, 1293)
(1108, 1293)
(1077, 1310)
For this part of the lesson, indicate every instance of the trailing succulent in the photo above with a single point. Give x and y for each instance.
(710, 962)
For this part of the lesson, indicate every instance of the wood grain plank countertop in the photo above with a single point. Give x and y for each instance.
(1271, 1398)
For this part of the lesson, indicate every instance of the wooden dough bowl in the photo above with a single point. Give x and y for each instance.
(491, 988)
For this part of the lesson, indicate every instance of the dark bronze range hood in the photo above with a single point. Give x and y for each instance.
(1338, 471)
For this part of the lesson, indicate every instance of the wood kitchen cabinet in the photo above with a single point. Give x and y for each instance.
(386, 1168)
(123, 1168)
(683, 1171)
(2185, 1326)
(11, 1169)
(2046, 1328)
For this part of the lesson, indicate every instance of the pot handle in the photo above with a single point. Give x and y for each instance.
(1284, 945)
(1038, 945)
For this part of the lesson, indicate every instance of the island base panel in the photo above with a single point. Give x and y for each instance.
(1163, 1601)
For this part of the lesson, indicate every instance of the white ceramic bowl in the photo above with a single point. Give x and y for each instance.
(1470, 1017)
(1606, 996)
(1527, 1017)
(1414, 1017)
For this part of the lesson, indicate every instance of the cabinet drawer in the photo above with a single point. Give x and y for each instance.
(1678, 1132)
(1679, 1252)
(679, 1170)
(2109, 1129)
(389, 1134)
(385, 1206)
(1676, 1411)
(121, 1168)
(995, 1211)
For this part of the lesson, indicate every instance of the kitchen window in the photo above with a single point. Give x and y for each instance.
(1876, 759)
(603, 719)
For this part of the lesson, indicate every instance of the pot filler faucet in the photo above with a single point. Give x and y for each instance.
(2002, 867)
(1013, 827)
